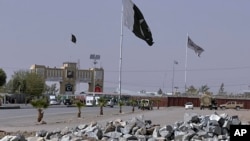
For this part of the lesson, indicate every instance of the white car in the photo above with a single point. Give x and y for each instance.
(53, 102)
(189, 105)
(110, 103)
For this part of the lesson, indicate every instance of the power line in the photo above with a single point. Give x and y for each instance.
(198, 69)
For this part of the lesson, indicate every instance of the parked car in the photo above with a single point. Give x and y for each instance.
(53, 102)
(67, 102)
(232, 105)
(110, 103)
(189, 105)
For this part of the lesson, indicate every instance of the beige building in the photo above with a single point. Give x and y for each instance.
(69, 75)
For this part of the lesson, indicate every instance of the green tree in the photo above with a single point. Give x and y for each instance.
(2, 77)
(26, 82)
(143, 104)
(221, 90)
(40, 105)
(159, 91)
(158, 100)
(120, 103)
(18, 82)
(204, 88)
(133, 102)
(102, 102)
(35, 84)
(192, 90)
(79, 106)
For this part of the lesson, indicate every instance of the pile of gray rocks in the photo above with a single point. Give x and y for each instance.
(194, 127)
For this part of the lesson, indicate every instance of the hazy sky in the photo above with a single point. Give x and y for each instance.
(39, 31)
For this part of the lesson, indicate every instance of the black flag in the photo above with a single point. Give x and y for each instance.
(197, 49)
(134, 20)
(73, 38)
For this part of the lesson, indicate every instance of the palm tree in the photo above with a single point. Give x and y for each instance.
(192, 90)
(204, 88)
(79, 106)
(158, 103)
(102, 102)
(143, 104)
(40, 105)
(133, 103)
(120, 103)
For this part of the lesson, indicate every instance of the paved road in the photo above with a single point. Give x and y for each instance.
(24, 119)
(29, 111)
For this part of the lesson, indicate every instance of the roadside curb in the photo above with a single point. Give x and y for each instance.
(10, 107)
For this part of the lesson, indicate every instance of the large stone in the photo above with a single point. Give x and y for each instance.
(129, 137)
(235, 120)
(109, 128)
(82, 126)
(128, 128)
(156, 133)
(113, 135)
(141, 131)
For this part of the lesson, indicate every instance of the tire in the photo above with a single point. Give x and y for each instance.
(223, 108)
(237, 108)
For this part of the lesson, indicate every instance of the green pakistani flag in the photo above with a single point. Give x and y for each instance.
(134, 20)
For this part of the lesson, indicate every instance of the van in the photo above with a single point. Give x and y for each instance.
(90, 100)
(110, 103)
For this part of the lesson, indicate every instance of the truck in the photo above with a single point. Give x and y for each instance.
(144, 104)
(207, 101)
(232, 105)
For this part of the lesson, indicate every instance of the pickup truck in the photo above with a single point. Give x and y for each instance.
(232, 105)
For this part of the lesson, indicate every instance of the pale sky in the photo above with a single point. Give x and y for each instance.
(39, 31)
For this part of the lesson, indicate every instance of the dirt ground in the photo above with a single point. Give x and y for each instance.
(162, 116)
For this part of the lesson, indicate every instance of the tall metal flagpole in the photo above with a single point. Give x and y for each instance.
(186, 68)
(120, 62)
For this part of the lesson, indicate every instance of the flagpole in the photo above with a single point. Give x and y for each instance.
(120, 61)
(186, 69)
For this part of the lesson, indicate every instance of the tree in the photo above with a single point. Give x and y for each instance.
(35, 84)
(120, 103)
(2, 77)
(133, 103)
(159, 91)
(204, 88)
(40, 105)
(221, 90)
(143, 104)
(158, 103)
(192, 90)
(26, 82)
(102, 102)
(17, 82)
(79, 106)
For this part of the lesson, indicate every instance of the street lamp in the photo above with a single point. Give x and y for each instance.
(94, 57)
(174, 63)
(176, 90)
